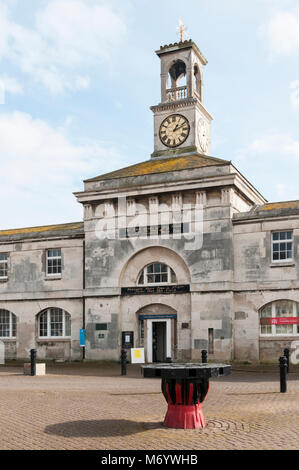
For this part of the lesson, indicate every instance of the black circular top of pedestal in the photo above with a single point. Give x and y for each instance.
(185, 371)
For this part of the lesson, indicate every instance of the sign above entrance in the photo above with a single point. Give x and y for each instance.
(157, 317)
(147, 290)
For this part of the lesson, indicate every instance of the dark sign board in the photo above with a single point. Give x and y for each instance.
(147, 290)
(101, 327)
(158, 317)
(127, 339)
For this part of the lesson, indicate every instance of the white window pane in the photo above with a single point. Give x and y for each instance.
(284, 309)
(67, 324)
(284, 329)
(267, 311)
(43, 324)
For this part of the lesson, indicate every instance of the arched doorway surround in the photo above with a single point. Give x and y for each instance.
(154, 308)
(157, 331)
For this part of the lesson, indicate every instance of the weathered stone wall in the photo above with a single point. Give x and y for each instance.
(258, 281)
(206, 267)
(28, 291)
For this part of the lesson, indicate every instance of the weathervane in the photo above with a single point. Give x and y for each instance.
(181, 29)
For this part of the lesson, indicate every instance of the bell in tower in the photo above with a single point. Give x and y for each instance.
(181, 122)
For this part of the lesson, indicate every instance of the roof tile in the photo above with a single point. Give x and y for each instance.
(162, 165)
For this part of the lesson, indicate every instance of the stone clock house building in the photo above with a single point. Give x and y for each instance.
(177, 254)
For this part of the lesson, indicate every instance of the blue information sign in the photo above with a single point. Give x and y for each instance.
(82, 338)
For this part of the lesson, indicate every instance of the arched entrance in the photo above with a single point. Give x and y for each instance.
(155, 303)
(158, 331)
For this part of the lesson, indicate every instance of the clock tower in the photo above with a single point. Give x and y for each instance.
(181, 122)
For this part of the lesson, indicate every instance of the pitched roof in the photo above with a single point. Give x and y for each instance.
(270, 209)
(162, 165)
(280, 205)
(69, 229)
(181, 45)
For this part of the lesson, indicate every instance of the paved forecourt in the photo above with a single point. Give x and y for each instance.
(90, 406)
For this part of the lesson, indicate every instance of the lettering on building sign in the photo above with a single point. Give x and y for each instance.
(180, 289)
(148, 231)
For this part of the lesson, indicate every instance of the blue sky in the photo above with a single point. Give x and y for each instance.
(78, 77)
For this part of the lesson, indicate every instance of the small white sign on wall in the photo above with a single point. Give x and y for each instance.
(137, 355)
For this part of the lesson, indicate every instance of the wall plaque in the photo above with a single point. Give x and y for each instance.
(149, 290)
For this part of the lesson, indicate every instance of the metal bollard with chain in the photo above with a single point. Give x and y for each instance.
(33, 361)
(123, 361)
(283, 365)
(204, 356)
(286, 353)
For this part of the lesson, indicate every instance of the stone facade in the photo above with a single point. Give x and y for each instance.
(27, 291)
(176, 252)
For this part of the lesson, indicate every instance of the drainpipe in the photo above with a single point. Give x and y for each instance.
(83, 297)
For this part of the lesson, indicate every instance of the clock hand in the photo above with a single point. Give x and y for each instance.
(177, 128)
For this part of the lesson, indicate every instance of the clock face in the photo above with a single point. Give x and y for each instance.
(203, 135)
(174, 130)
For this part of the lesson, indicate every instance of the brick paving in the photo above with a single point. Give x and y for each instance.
(89, 406)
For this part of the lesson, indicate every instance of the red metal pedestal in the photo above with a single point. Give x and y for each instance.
(184, 417)
(184, 398)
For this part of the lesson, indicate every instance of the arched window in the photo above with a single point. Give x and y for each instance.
(280, 318)
(177, 73)
(177, 81)
(53, 323)
(157, 273)
(8, 324)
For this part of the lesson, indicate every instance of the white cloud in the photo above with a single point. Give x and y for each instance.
(282, 144)
(40, 165)
(31, 150)
(68, 36)
(295, 94)
(9, 85)
(272, 161)
(281, 33)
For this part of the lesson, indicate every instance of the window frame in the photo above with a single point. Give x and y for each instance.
(5, 263)
(286, 260)
(59, 257)
(273, 333)
(12, 325)
(48, 324)
(145, 274)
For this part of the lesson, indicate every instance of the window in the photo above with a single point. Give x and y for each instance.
(280, 318)
(3, 266)
(157, 273)
(54, 322)
(8, 324)
(282, 246)
(54, 262)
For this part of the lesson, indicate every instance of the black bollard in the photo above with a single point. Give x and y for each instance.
(123, 361)
(204, 356)
(283, 374)
(168, 360)
(286, 353)
(33, 361)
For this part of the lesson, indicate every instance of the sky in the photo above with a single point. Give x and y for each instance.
(78, 77)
